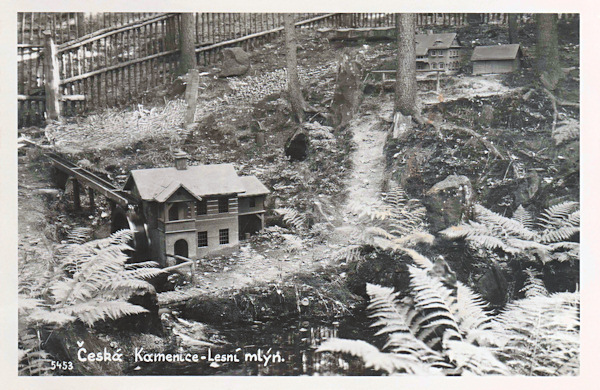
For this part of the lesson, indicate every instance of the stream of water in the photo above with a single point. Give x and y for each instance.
(275, 348)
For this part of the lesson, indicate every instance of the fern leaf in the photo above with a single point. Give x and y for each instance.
(560, 234)
(541, 333)
(292, 217)
(511, 226)
(472, 316)
(50, 317)
(92, 312)
(348, 254)
(533, 285)
(476, 359)
(558, 215)
(523, 217)
(432, 307)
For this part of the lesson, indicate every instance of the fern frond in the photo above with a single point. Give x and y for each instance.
(34, 362)
(541, 334)
(560, 234)
(91, 312)
(431, 318)
(46, 316)
(472, 316)
(418, 258)
(79, 235)
(534, 286)
(373, 358)
(509, 225)
(559, 215)
(476, 359)
(348, 254)
(292, 217)
(523, 217)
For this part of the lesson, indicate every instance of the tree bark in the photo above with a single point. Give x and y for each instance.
(406, 73)
(548, 64)
(187, 42)
(295, 93)
(51, 78)
(513, 29)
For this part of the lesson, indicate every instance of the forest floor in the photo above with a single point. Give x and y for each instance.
(330, 183)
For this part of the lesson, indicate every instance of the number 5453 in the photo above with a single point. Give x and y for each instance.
(55, 365)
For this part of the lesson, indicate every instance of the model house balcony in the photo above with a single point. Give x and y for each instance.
(180, 225)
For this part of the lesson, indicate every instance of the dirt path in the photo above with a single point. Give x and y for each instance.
(277, 264)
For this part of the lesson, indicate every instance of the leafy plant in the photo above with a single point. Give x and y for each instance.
(547, 238)
(90, 281)
(292, 217)
(442, 327)
(396, 224)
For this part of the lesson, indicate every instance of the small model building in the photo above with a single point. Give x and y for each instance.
(195, 210)
(496, 59)
(438, 52)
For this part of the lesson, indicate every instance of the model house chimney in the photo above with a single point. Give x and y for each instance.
(180, 160)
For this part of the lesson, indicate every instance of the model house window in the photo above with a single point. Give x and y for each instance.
(201, 207)
(441, 65)
(223, 205)
(223, 236)
(202, 239)
(252, 202)
(434, 65)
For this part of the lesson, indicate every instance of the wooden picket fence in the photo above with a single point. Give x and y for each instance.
(111, 59)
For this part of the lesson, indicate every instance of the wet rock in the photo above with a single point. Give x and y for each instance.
(348, 92)
(449, 202)
(236, 62)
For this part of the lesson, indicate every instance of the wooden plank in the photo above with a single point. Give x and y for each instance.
(109, 31)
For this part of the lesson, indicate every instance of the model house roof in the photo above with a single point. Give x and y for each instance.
(253, 186)
(496, 52)
(158, 184)
(425, 42)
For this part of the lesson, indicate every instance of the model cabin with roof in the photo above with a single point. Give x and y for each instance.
(195, 210)
(496, 59)
(438, 52)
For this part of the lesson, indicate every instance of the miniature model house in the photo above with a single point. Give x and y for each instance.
(195, 210)
(496, 59)
(438, 52)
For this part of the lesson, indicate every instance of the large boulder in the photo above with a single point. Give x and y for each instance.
(236, 62)
(449, 202)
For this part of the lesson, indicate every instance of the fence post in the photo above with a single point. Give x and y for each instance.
(51, 78)
(191, 96)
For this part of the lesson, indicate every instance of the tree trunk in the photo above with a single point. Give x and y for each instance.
(513, 29)
(295, 93)
(406, 73)
(187, 42)
(548, 64)
(51, 78)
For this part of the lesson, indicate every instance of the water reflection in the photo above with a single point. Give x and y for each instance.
(276, 348)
